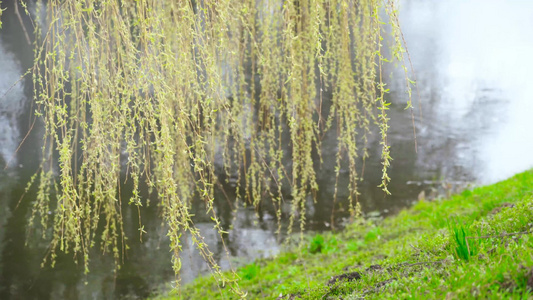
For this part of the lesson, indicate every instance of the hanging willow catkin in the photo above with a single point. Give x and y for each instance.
(175, 92)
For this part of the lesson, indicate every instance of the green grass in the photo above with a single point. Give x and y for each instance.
(424, 252)
(464, 248)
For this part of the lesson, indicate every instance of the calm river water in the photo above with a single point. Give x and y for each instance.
(472, 63)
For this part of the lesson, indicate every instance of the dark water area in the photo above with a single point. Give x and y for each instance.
(474, 127)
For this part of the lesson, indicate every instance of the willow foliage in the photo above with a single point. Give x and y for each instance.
(174, 93)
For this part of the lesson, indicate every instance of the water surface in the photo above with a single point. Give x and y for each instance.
(472, 67)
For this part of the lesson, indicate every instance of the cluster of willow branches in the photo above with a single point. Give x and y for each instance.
(174, 93)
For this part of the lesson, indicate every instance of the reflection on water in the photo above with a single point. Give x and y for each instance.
(473, 56)
(11, 106)
(471, 62)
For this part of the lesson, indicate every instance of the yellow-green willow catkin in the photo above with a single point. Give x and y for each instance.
(174, 93)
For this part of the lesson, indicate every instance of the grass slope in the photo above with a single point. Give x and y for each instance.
(425, 252)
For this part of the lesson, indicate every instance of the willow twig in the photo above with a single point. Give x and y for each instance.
(22, 24)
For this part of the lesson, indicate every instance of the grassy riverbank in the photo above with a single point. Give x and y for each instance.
(421, 253)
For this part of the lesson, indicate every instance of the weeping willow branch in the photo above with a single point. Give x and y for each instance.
(174, 93)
